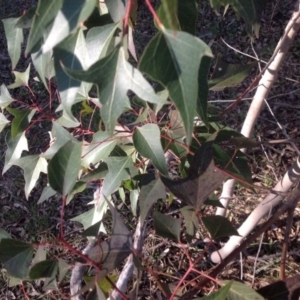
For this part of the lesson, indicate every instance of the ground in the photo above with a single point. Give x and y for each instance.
(267, 164)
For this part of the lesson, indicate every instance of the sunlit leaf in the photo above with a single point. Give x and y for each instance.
(3, 121)
(22, 118)
(5, 98)
(166, 226)
(14, 36)
(16, 257)
(173, 58)
(21, 79)
(99, 149)
(114, 76)
(44, 269)
(219, 226)
(47, 193)
(146, 140)
(63, 268)
(64, 167)
(67, 20)
(45, 13)
(15, 147)
(32, 165)
(117, 9)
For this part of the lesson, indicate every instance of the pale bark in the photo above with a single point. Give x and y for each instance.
(284, 185)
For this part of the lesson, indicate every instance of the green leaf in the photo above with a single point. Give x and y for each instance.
(21, 79)
(63, 268)
(72, 53)
(112, 252)
(146, 140)
(191, 222)
(221, 294)
(173, 58)
(45, 13)
(32, 165)
(47, 192)
(219, 226)
(166, 226)
(249, 10)
(3, 121)
(5, 98)
(4, 234)
(99, 173)
(188, 14)
(100, 41)
(228, 75)
(64, 167)
(44, 65)
(240, 291)
(59, 136)
(119, 169)
(14, 36)
(114, 76)
(67, 20)
(21, 120)
(14, 150)
(99, 149)
(203, 89)
(16, 257)
(167, 13)
(117, 9)
(44, 269)
(150, 193)
(79, 187)
(203, 178)
(25, 21)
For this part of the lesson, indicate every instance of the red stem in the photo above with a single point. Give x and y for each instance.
(157, 19)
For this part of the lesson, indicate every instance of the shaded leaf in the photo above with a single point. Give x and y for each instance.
(288, 289)
(191, 222)
(99, 149)
(45, 13)
(25, 21)
(67, 20)
(63, 268)
(16, 257)
(99, 173)
(114, 76)
(21, 79)
(32, 165)
(219, 226)
(15, 147)
(202, 179)
(173, 59)
(150, 193)
(146, 140)
(3, 121)
(72, 53)
(240, 291)
(92, 230)
(188, 14)
(79, 187)
(44, 269)
(47, 192)
(228, 75)
(14, 36)
(22, 118)
(166, 226)
(221, 294)
(5, 98)
(112, 252)
(249, 10)
(64, 167)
